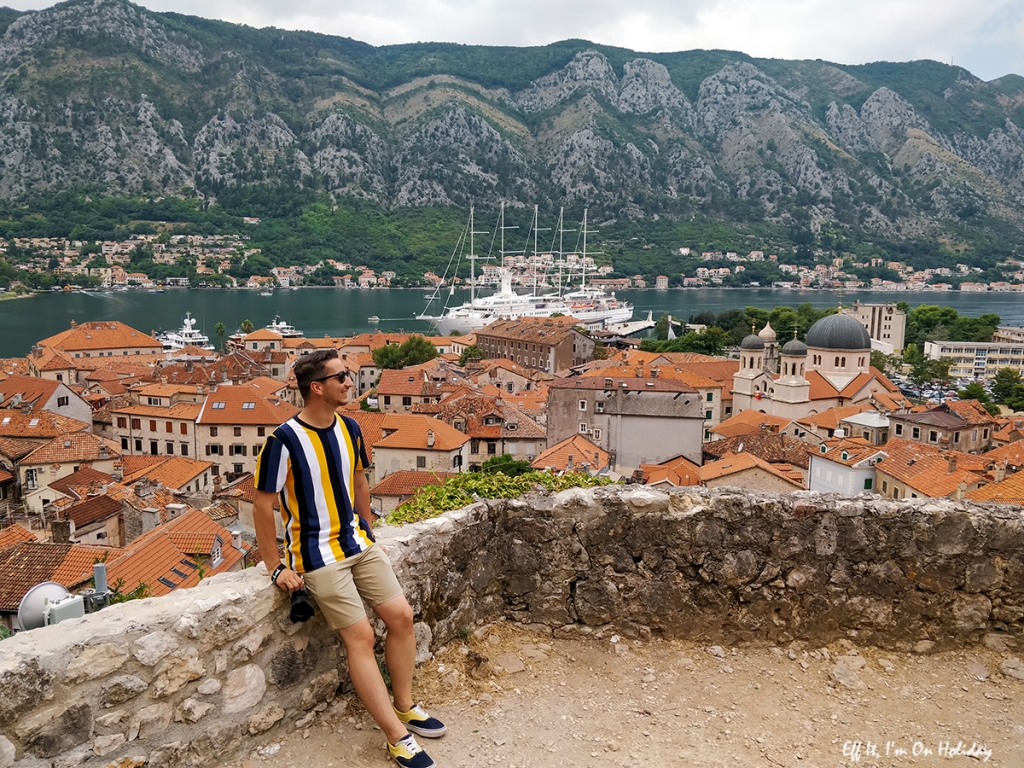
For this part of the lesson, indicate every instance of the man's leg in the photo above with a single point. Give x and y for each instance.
(366, 678)
(399, 649)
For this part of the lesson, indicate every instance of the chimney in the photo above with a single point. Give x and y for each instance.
(430, 439)
(655, 371)
(961, 490)
(73, 325)
(37, 351)
(952, 464)
(174, 510)
(150, 519)
(26, 409)
(999, 471)
(568, 464)
(104, 452)
(217, 483)
(236, 540)
(60, 531)
(839, 433)
(142, 488)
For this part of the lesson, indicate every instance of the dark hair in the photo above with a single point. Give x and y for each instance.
(311, 366)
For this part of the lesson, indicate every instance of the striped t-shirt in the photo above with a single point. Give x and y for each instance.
(312, 469)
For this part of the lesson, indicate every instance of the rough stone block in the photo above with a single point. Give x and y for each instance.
(265, 719)
(192, 710)
(149, 721)
(320, 688)
(149, 649)
(24, 684)
(120, 689)
(104, 745)
(7, 752)
(97, 661)
(176, 671)
(244, 688)
(48, 732)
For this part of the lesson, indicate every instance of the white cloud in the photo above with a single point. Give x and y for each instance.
(985, 36)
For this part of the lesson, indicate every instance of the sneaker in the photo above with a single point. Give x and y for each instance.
(409, 754)
(419, 722)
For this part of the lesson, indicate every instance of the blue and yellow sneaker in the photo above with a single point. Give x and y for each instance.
(409, 754)
(419, 722)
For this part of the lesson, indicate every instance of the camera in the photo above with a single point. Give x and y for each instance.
(302, 609)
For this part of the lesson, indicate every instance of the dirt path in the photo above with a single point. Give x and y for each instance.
(604, 701)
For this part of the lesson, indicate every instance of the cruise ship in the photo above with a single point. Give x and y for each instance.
(186, 336)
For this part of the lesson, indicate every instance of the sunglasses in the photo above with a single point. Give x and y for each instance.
(339, 376)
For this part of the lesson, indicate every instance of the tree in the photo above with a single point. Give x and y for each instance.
(976, 391)
(472, 352)
(887, 364)
(247, 326)
(1007, 384)
(220, 330)
(600, 351)
(414, 351)
(506, 465)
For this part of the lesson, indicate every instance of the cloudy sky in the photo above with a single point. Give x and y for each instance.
(986, 37)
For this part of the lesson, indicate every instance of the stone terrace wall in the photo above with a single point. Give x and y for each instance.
(213, 672)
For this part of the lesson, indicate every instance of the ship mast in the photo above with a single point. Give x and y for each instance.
(535, 231)
(472, 257)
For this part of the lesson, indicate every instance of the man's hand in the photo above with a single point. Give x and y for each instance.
(288, 580)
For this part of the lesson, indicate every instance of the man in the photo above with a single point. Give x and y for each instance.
(316, 462)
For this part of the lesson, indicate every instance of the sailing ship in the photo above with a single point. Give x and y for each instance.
(186, 336)
(588, 304)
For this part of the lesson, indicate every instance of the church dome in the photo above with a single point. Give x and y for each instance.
(838, 332)
(767, 333)
(795, 348)
(752, 343)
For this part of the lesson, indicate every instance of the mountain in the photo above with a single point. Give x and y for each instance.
(107, 96)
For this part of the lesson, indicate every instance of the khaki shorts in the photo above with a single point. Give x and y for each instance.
(341, 588)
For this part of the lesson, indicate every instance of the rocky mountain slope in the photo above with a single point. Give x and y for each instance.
(108, 96)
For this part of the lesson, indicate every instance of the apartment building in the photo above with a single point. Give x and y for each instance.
(977, 359)
(962, 425)
(546, 344)
(885, 324)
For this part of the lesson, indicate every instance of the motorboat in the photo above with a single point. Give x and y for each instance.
(186, 336)
(283, 329)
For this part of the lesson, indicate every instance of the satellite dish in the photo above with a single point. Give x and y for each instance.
(32, 610)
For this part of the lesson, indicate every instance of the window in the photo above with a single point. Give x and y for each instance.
(597, 434)
(711, 397)
(237, 450)
(974, 436)
(256, 450)
(261, 431)
(387, 399)
(154, 448)
(136, 423)
(213, 431)
(238, 468)
(421, 462)
(885, 486)
(62, 401)
(895, 492)
(492, 448)
(169, 426)
(138, 446)
(933, 436)
(152, 425)
(238, 431)
(708, 414)
(31, 479)
(184, 449)
(214, 449)
(984, 434)
(474, 446)
(122, 422)
(956, 437)
(583, 405)
(899, 429)
(218, 406)
(249, 406)
(170, 448)
(867, 483)
(915, 433)
(124, 443)
(406, 401)
(184, 428)
(583, 427)
(599, 406)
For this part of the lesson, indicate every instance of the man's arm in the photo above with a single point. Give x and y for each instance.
(266, 540)
(361, 488)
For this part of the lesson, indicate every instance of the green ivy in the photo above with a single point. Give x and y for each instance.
(433, 500)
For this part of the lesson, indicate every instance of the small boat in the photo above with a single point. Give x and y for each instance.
(284, 329)
(373, 319)
(266, 293)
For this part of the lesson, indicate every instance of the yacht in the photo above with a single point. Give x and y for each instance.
(283, 329)
(186, 336)
(587, 304)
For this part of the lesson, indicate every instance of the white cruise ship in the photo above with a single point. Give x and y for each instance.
(186, 336)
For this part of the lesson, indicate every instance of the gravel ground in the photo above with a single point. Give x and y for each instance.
(519, 700)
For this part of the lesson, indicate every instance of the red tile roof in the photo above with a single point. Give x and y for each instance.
(73, 447)
(14, 534)
(750, 422)
(101, 334)
(24, 565)
(735, 464)
(244, 405)
(576, 447)
(92, 509)
(174, 472)
(406, 482)
(38, 425)
(679, 471)
(28, 389)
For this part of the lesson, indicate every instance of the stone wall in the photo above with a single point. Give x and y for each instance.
(219, 670)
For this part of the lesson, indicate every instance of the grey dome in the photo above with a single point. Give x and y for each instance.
(794, 348)
(752, 342)
(838, 332)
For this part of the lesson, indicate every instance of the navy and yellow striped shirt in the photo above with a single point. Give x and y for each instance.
(311, 469)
